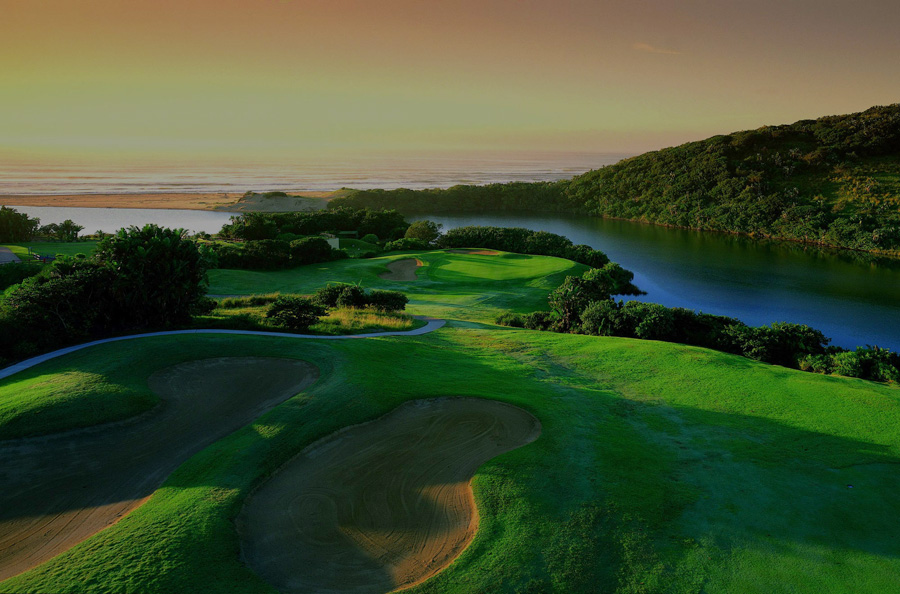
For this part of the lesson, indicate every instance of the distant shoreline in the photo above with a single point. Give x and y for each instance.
(216, 201)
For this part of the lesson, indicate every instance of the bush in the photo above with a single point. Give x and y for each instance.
(387, 300)
(405, 244)
(540, 320)
(351, 296)
(513, 320)
(425, 231)
(310, 250)
(370, 238)
(327, 296)
(13, 274)
(294, 313)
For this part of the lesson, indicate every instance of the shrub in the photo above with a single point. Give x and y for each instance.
(294, 313)
(351, 296)
(387, 300)
(327, 296)
(513, 320)
(425, 231)
(405, 244)
(13, 274)
(370, 238)
(540, 320)
(310, 250)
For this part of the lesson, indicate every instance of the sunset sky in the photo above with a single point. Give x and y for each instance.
(230, 77)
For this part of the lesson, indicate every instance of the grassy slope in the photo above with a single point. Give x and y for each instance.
(52, 248)
(660, 468)
(454, 286)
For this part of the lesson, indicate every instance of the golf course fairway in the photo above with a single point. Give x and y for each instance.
(379, 506)
(660, 467)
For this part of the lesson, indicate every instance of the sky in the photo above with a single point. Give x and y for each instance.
(228, 78)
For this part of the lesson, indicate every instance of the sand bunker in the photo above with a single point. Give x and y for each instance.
(382, 505)
(59, 490)
(475, 252)
(401, 270)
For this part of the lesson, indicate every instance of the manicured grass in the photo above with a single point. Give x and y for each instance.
(450, 285)
(660, 468)
(50, 248)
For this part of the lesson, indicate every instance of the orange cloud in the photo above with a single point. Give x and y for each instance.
(646, 47)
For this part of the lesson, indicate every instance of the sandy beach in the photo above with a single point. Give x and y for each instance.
(233, 202)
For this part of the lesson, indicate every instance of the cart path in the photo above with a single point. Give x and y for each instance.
(432, 325)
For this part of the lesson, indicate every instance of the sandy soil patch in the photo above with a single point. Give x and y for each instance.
(232, 201)
(402, 270)
(475, 252)
(59, 490)
(382, 505)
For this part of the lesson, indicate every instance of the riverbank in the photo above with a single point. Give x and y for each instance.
(219, 201)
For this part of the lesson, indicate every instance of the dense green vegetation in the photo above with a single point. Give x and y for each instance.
(137, 279)
(833, 181)
(511, 197)
(386, 224)
(16, 226)
(660, 468)
(815, 180)
(585, 305)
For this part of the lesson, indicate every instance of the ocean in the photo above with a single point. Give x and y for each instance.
(31, 176)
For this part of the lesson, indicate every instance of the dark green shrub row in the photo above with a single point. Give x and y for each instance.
(294, 313)
(405, 244)
(345, 295)
(13, 274)
(274, 254)
(522, 241)
(387, 224)
(511, 197)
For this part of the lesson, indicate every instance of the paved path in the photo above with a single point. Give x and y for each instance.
(6, 256)
(431, 326)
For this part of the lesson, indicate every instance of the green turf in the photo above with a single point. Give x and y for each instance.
(450, 285)
(661, 468)
(50, 248)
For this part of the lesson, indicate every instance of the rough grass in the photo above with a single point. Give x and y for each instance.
(249, 313)
(450, 285)
(661, 468)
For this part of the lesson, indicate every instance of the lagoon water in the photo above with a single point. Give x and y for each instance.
(852, 301)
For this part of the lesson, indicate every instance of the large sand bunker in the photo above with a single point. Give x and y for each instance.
(401, 270)
(58, 490)
(382, 505)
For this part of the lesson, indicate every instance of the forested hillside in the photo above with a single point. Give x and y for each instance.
(835, 180)
(832, 181)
